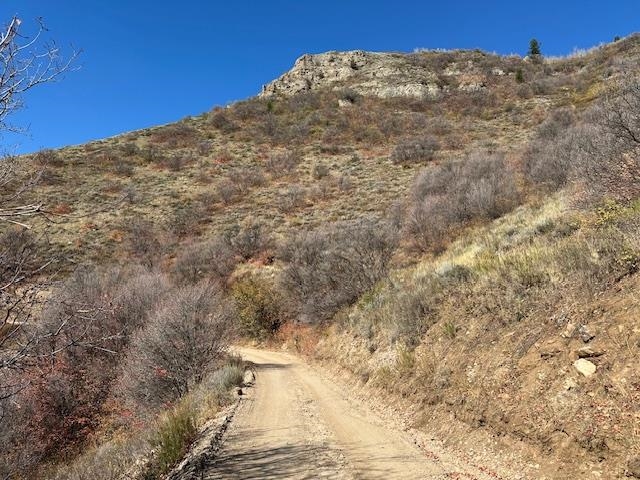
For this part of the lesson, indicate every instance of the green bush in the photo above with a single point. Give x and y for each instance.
(258, 307)
(175, 433)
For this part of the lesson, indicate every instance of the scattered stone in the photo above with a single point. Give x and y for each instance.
(589, 352)
(585, 367)
(570, 384)
(551, 349)
(569, 330)
(249, 378)
(586, 333)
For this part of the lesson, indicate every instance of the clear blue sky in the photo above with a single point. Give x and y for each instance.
(151, 62)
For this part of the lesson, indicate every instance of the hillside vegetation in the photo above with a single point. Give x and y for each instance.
(457, 229)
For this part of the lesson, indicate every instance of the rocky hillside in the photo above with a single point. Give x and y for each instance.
(384, 75)
(456, 229)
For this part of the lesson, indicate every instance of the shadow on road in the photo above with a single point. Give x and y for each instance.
(271, 366)
(286, 462)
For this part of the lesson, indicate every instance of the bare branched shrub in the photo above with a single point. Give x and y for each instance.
(319, 171)
(551, 156)
(178, 135)
(145, 241)
(213, 259)
(188, 219)
(279, 164)
(129, 149)
(249, 239)
(600, 152)
(246, 178)
(227, 191)
(446, 197)
(292, 198)
(85, 327)
(182, 342)
(49, 158)
(611, 163)
(415, 150)
(220, 119)
(344, 183)
(330, 268)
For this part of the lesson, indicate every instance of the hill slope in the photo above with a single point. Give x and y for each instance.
(456, 229)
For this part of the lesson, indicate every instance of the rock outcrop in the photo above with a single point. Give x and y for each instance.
(370, 73)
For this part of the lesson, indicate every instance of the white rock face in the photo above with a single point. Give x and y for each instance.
(367, 73)
(585, 367)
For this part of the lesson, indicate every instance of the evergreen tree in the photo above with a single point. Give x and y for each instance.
(534, 48)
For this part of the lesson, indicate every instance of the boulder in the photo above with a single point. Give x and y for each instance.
(589, 352)
(585, 367)
(586, 333)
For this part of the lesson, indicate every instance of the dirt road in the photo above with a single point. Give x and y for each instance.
(297, 424)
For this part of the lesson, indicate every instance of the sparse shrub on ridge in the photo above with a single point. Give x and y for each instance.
(220, 119)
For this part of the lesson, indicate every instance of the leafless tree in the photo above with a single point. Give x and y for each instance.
(25, 63)
(610, 164)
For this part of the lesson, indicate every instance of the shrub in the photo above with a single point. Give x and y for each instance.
(176, 431)
(144, 241)
(549, 162)
(178, 135)
(176, 162)
(220, 119)
(330, 268)
(205, 147)
(188, 219)
(129, 149)
(245, 178)
(213, 259)
(415, 150)
(182, 342)
(248, 240)
(279, 164)
(411, 316)
(18, 254)
(134, 301)
(611, 165)
(227, 191)
(319, 171)
(259, 308)
(49, 158)
(446, 197)
(230, 375)
(344, 183)
(291, 199)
